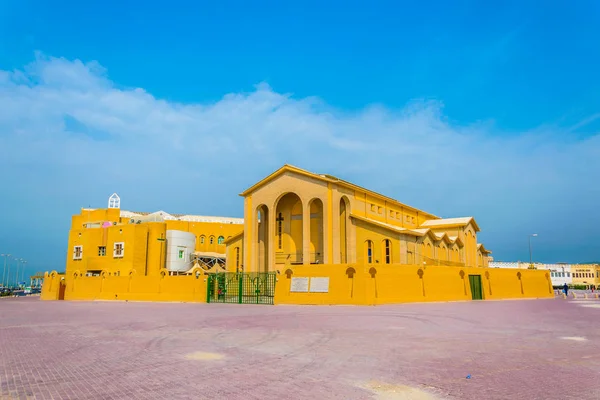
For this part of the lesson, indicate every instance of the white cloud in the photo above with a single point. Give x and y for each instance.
(66, 129)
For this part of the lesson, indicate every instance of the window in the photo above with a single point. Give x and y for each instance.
(118, 249)
(280, 231)
(77, 252)
(369, 246)
(388, 251)
(237, 257)
(380, 210)
(373, 207)
(101, 251)
(221, 240)
(202, 239)
(181, 254)
(211, 240)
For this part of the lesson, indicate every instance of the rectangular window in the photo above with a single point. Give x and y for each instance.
(77, 252)
(181, 254)
(101, 251)
(118, 249)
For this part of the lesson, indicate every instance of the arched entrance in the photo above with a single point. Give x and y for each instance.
(262, 229)
(289, 230)
(316, 231)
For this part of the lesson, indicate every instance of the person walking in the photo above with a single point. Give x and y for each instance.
(566, 289)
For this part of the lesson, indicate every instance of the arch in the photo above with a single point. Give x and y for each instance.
(316, 238)
(343, 228)
(290, 207)
(262, 238)
(369, 251)
(211, 239)
(221, 240)
(202, 239)
(443, 252)
(387, 251)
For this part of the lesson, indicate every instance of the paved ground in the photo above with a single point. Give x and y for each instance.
(533, 349)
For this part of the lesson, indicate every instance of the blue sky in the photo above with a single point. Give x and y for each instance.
(457, 108)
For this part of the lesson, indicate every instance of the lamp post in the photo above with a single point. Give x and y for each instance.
(17, 271)
(4, 270)
(19, 261)
(23, 271)
(530, 255)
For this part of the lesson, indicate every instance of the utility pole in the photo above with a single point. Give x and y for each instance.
(530, 254)
(23, 271)
(17, 272)
(4, 270)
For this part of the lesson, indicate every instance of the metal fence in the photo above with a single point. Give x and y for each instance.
(241, 287)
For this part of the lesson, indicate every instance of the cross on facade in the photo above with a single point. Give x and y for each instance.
(279, 220)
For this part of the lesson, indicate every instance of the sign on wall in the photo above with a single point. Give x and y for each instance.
(299, 285)
(319, 285)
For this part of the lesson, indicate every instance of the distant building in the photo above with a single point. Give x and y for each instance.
(560, 273)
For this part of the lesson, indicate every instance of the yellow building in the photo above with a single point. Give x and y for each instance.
(316, 239)
(586, 274)
(295, 217)
(114, 242)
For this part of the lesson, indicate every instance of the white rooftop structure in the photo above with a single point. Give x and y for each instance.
(165, 216)
(114, 201)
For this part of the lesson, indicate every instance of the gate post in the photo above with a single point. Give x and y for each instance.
(240, 287)
(209, 281)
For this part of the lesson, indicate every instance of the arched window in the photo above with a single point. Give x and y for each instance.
(369, 251)
(388, 251)
(221, 240)
(202, 238)
(237, 257)
(211, 240)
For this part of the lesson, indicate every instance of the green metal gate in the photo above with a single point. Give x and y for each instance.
(475, 283)
(241, 288)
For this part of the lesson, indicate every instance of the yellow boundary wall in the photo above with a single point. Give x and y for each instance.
(182, 288)
(388, 284)
(347, 284)
(51, 286)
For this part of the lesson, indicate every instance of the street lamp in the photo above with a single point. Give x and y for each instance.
(23, 271)
(530, 256)
(17, 272)
(4, 270)
(18, 260)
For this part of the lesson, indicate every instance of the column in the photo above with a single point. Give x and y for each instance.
(305, 234)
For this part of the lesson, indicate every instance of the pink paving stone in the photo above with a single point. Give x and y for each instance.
(128, 350)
